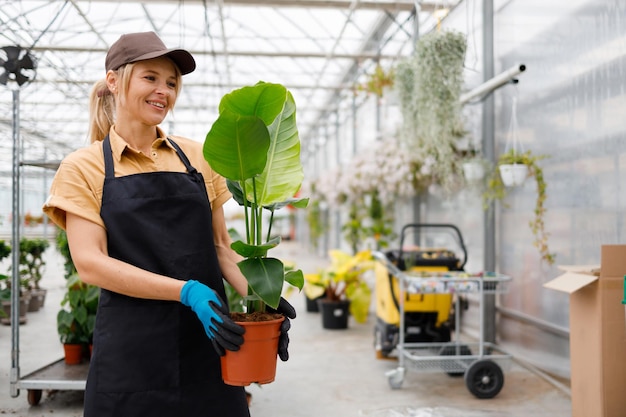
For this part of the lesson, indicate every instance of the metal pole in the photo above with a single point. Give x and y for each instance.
(336, 211)
(416, 201)
(489, 152)
(15, 251)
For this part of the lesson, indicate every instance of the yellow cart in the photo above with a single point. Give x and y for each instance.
(429, 299)
(427, 317)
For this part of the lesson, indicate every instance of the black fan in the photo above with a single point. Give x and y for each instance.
(18, 65)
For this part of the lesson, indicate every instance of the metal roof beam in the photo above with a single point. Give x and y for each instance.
(334, 4)
(391, 6)
(286, 54)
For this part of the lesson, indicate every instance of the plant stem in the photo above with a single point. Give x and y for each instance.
(245, 210)
(269, 229)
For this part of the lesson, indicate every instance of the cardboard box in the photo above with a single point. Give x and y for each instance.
(597, 334)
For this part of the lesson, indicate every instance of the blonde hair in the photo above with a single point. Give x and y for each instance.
(102, 102)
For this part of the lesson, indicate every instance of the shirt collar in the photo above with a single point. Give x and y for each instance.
(119, 145)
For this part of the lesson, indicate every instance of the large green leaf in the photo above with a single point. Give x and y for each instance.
(295, 202)
(265, 277)
(251, 251)
(283, 174)
(263, 100)
(236, 146)
(295, 278)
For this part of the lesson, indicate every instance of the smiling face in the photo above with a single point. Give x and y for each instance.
(152, 91)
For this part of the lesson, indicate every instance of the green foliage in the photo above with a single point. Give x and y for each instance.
(353, 231)
(496, 190)
(344, 279)
(254, 144)
(76, 324)
(64, 248)
(316, 221)
(382, 223)
(31, 261)
(5, 249)
(377, 81)
(429, 85)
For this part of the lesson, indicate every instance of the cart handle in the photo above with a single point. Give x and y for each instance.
(434, 225)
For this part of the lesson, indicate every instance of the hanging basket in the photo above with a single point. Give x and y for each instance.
(473, 171)
(513, 175)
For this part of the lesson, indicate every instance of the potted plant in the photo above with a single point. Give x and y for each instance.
(343, 287)
(75, 325)
(5, 294)
(254, 144)
(32, 266)
(6, 290)
(497, 190)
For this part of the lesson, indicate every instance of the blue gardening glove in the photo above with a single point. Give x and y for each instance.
(213, 313)
(289, 312)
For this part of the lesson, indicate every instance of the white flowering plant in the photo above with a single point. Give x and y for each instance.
(369, 183)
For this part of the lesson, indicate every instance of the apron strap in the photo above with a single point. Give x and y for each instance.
(109, 171)
(183, 157)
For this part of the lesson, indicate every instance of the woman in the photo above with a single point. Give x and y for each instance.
(144, 220)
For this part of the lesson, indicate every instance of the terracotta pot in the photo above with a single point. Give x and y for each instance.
(255, 361)
(73, 353)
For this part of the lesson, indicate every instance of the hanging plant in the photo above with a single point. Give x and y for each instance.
(429, 86)
(378, 81)
(496, 190)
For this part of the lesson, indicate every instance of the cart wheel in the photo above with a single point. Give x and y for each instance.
(395, 378)
(34, 396)
(451, 350)
(484, 379)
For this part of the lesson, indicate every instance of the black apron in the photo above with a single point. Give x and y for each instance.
(153, 358)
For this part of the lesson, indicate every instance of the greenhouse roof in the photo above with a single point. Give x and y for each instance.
(320, 50)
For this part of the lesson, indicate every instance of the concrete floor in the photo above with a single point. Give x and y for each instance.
(331, 373)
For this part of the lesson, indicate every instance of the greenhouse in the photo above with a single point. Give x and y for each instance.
(450, 174)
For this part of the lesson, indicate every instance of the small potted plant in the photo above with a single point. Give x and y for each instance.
(344, 289)
(32, 267)
(75, 325)
(6, 290)
(254, 144)
(497, 190)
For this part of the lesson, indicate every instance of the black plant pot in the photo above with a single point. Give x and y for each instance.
(311, 304)
(334, 313)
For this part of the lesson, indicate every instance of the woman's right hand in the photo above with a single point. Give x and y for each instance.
(224, 333)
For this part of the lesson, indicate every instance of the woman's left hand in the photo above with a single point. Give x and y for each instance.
(289, 312)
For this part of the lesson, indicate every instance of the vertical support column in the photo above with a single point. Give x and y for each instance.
(489, 152)
(416, 201)
(337, 212)
(15, 250)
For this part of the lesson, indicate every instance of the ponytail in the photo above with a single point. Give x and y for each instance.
(101, 111)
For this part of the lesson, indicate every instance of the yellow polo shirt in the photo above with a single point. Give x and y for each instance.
(77, 185)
